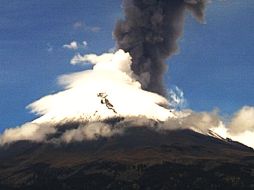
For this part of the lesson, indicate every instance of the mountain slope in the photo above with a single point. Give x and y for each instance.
(140, 158)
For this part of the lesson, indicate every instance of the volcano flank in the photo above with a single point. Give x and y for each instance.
(140, 158)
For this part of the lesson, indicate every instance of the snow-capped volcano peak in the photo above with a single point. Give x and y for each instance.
(110, 89)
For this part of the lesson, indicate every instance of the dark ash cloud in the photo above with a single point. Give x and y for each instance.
(150, 31)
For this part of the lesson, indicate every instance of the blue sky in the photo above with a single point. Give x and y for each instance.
(214, 66)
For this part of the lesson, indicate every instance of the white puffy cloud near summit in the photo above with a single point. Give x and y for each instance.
(111, 80)
(95, 59)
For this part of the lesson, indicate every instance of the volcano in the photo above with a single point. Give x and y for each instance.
(113, 125)
(140, 158)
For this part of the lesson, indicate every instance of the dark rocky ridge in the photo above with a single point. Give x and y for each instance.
(141, 158)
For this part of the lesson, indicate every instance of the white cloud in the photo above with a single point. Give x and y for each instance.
(90, 131)
(198, 121)
(84, 44)
(176, 98)
(29, 131)
(94, 59)
(77, 59)
(246, 137)
(75, 45)
(240, 128)
(242, 121)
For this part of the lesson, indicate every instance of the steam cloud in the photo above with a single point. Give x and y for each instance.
(149, 33)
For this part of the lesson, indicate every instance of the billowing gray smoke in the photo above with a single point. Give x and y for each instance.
(150, 31)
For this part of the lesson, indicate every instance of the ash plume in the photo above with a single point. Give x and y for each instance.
(149, 33)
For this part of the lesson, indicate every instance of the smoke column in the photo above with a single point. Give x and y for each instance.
(149, 32)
